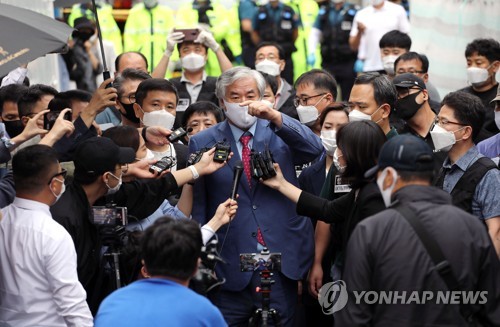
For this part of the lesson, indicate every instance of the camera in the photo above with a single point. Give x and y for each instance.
(205, 279)
(49, 119)
(264, 260)
(110, 215)
(262, 164)
(162, 165)
(222, 151)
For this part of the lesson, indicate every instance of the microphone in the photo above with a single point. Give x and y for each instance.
(238, 170)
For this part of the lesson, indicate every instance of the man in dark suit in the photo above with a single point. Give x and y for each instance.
(264, 218)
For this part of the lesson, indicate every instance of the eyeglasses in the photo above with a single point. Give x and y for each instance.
(63, 173)
(303, 101)
(444, 122)
(130, 98)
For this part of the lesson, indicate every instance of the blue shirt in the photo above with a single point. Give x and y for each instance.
(247, 9)
(237, 133)
(157, 302)
(486, 199)
(490, 147)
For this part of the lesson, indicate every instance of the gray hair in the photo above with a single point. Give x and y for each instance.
(236, 73)
(129, 74)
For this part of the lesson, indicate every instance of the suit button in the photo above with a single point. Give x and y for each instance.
(254, 234)
(254, 207)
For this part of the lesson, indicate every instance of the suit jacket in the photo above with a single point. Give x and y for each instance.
(313, 177)
(283, 230)
(285, 103)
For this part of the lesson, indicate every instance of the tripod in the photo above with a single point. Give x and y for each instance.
(263, 314)
(114, 253)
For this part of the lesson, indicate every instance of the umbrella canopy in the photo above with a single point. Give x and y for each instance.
(66, 3)
(26, 35)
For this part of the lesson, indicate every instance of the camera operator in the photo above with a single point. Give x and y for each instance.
(171, 252)
(98, 172)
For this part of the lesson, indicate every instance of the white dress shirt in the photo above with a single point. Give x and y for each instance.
(38, 280)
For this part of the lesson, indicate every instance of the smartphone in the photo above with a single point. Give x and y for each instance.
(259, 261)
(190, 34)
(49, 119)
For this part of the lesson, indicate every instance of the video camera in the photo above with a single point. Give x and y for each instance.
(205, 279)
(262, 164)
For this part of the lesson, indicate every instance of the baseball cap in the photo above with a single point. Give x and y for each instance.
(404, 152)
(409, 80)
(497, 98)
(98, 155)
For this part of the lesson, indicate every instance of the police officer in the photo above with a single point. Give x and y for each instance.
(332, 27)
(277, 22)
(246, 11)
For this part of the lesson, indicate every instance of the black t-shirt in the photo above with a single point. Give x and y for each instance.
(486, 97)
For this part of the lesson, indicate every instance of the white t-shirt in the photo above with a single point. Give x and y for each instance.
(378, 22)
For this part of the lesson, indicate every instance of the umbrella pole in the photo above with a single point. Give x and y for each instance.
(105, 72)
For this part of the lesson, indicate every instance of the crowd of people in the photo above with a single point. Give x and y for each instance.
(131, 201)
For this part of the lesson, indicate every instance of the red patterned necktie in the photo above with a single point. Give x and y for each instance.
(245, 156)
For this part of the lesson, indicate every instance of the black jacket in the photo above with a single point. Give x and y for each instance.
(384, 253)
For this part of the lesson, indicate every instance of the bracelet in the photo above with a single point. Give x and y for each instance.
(194, 172)
(143, 133)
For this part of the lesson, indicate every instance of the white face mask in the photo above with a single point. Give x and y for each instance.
(268, 103)
(239, 115)
(443, 140)
(341, 169)
(150, 3)
(478, 76)
(193, 62)
(269, 67)
(356, 115)
(158, 118)
(386, 194)
(388, 62)
(329, 141)
(497, 119)
(113, 190)
(309, 114)
(63, 189)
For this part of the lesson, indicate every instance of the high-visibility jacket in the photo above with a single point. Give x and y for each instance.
(109, 28)
(308, 10)
(146, 31)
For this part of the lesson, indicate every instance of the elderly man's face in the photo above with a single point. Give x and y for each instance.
(242, 90)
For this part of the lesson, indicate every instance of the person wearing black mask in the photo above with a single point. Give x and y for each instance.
(82, 63)
(9, 95)
(126, 85)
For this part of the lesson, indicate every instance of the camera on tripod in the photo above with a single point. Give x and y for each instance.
(262, 164)
(205, 279)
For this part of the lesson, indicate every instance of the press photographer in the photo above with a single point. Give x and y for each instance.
(99, 167)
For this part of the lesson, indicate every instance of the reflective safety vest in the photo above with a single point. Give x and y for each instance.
(146, 31)
(109, 28)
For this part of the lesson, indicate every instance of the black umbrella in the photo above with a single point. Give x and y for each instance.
(26, 35)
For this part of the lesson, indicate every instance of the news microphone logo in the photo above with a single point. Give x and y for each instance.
(333, 297)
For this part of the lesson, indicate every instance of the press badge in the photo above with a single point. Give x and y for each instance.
(346, 25)
(286, 24)
(183, 104)
(340, 186)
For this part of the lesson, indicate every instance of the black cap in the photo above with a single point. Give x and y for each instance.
(83, 22)
(408, 80)
(98, 155)
(404, 152)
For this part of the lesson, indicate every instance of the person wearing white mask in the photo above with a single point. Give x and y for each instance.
(38, 273)
(270, 59)
(368, 27)
(372, 98)
(483, 63)
(471, 178)
(392, 45)
(314, 91)
(382, 242)
(194, 84)
(265, 218)
(155, 105)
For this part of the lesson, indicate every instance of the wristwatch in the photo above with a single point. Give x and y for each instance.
(8, 143)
